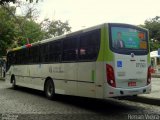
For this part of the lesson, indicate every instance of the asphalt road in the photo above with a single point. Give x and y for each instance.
(28, 104)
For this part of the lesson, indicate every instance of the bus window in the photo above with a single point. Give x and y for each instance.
(70, 49)
(126, 39)
(89, 46)
(55, 51)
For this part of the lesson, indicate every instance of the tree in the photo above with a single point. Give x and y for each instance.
(32, 30)
(16, 30)
(7, 31)
(55, 28)
(12, 29)
(32, 1)
(7, 1)
(153, 25)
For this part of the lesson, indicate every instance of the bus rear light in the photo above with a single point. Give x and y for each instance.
(149, 75)
(110, 75)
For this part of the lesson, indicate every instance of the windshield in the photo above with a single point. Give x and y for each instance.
(126, 37)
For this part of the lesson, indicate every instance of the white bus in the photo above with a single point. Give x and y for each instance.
(108, 60)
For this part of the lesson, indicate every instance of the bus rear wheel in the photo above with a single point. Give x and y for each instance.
(49, 89)
(13, 82)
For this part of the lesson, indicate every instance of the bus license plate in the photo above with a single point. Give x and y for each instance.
(132, 84)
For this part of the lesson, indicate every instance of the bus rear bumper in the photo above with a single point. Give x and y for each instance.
(118, 92)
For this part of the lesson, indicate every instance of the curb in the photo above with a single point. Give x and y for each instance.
(146, 100)
(155, 75)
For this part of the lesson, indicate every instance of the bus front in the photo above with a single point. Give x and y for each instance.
(128, 73)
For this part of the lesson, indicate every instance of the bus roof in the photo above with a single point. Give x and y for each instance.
(58, 37)
(67, 35)
(73, 33)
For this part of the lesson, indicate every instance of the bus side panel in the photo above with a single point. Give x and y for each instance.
(99, 79)
(86, 83)
(55, 72)
(21, 73)
(69, 73)
(36, 76)
(64, 76)
(86, 89)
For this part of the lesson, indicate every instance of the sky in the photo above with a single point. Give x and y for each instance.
(85, 13)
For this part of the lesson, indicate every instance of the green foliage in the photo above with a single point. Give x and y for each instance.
(32, 30)
(154, 45)
(19, 30)
(6, 1)
(13, 33)
(32, 1)
(153, 25)
(55, 28)
(7, 31)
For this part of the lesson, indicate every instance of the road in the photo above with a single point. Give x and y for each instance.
(27, 104)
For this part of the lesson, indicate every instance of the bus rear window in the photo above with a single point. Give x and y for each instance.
(128, 38)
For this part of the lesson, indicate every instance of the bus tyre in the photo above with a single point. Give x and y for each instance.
(49, 89)
(14, 83)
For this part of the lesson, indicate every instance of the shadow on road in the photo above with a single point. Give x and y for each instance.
(141, 99)
(107, 107)
(28, 90)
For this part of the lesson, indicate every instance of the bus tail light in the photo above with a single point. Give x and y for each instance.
(110, 75)
(149, 75)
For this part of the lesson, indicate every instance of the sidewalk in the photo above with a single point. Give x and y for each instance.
(155, 90)
(154, 97)
(155, 75)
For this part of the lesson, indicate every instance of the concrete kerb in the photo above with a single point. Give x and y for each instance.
(155, 75)
(146, 99)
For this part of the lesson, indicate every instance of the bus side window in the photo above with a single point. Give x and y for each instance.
(44, 53)
(70, 49)
(89, 46)
(55, 51)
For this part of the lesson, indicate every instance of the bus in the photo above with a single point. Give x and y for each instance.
(107, 60)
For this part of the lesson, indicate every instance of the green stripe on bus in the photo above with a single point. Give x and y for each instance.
(102, 43)
(105, 54)
(109, 54)
(149, 59)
